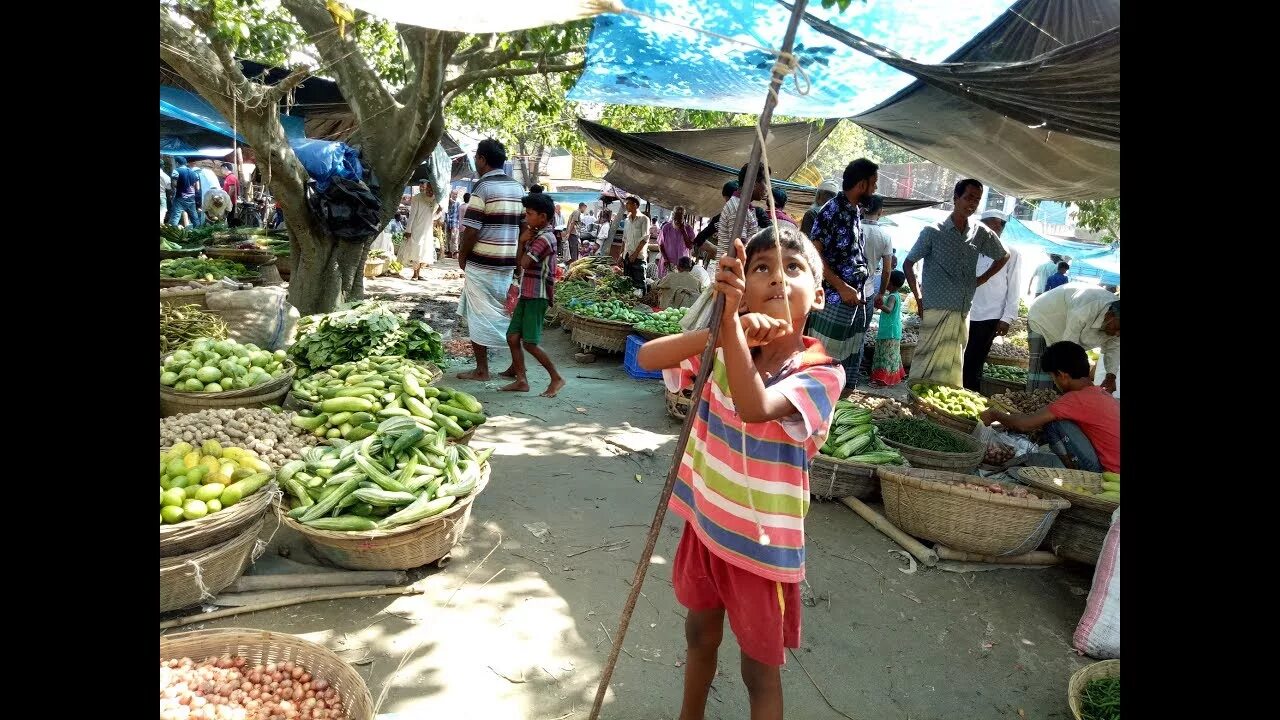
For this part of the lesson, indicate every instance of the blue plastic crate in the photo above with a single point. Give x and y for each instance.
(629, 360)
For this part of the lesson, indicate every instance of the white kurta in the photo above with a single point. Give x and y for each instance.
(420, 247)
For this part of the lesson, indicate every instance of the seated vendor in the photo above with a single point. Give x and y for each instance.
(1082, 427)
(679, 289)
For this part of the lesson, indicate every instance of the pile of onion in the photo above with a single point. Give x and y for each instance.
(226, 688)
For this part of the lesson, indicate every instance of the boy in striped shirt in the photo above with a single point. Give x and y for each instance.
(743, 483)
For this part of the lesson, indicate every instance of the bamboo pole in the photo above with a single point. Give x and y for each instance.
(879, 522)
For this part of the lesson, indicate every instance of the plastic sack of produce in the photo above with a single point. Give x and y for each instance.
(261, 315)
(1020, 444)
(1098, 634)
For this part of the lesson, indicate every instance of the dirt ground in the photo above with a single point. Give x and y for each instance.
(519, 624)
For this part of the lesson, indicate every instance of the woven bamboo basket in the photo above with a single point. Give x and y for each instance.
(174, 254)
(1077, 540)
(995, 386)
(649, 335)
(268, 393)
(906, 351)
(1042, 479)
(678, 405)
(606, 335)
(374, 268)
(403, 548)
(1013, 362)
(248, 258)
(284, 266)
(958, 462)
(833, 478)
(215, 528)
(1081, 677)
(186, 297)
(259, 647)
(927, 504)
(465, 439)
(182, 576)
(940, 417)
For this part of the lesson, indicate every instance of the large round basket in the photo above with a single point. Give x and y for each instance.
(174, 254)
(284, 266)
(929, 505)
(251, 279)
(402, 548)
(1080, 532)
(215, 528)
(994, 386)
(187, 579)
(678, 405)
(907, 351)
(606, 335)
(1013, 362)
(374, 268)
(1081, 677)
(941, 417)
(248, 258)
(465, 438)
(833, 478)
(259, 647)
(268, 393)
(958, 462)
(188, 296)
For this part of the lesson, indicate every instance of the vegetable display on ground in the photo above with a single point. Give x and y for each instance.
(195, 482)
(998, 454)
(208, 365)
(664, 322)
(180, 324)
(616, 310)
(267, 432)
(1005, 372)
(995, 488)
(1110, 487)
(854, 438)
(881, 407)
(229, 688)
(1100, 699)
(202, 268)
(349, 400)
(362, 330)
(922, 434)
(401, 473)
(1027, 401)
(954, 401)
(176, 238)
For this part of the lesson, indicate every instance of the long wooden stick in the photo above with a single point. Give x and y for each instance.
(247, 583)
(1035, 557)
(201, 617)
(704, 371)
(879, 522)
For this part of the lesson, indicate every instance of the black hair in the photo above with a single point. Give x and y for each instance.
(895, 262)
(582, 205)
(536, 188)
(180, 160)
(779, 196)
(857, 171)
(896, 278)
(872, 204)
(742, 174)
(1062, 267)
(1066, 357)
(1055, 257)
(965, 184)
(685, 263)
(729, 188)
(228, 167)
(539, 203)
(791, 239)
(466, 197)
(1114, 309)
(493, 152)
(632, 198)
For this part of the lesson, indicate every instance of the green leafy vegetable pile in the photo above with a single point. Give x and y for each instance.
(360, 330)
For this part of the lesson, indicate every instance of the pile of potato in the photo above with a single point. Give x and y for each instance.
(1027, 401)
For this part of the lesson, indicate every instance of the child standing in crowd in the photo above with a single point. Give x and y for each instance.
(886, 367)
(536, 256)
(743, 484)
(1058, 278)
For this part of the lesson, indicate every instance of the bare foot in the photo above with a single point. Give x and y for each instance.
(553, 388)
(509, 372)
(516, 386)
(473, 375)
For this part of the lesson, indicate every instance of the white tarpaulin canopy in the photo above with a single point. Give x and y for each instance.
(491, 16)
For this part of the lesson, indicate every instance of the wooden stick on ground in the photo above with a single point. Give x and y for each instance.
(201, 617)
(1035, 557)
(283, 581)
(704, 370)
(879, 522)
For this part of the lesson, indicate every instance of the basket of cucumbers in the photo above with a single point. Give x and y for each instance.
(209, 494)
(398, 499)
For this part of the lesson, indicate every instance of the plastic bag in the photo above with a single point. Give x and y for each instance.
(1021, 444)
(260, 315)
(1098, 634)
(513, 297)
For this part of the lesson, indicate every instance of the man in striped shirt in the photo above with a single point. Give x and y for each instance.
(490, 233)
(743, 483)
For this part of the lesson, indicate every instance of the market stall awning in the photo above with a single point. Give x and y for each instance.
(1017, 231)
(182, 111)
(492, 16)
(970, 138)
(789, 144)
(671, 178)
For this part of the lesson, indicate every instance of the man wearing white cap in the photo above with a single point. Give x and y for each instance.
(826, 191)
(995, 305)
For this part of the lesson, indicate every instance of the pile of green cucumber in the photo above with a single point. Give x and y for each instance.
(400, 474)
(852, 437)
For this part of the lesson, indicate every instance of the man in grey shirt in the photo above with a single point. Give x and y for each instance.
(950, 250)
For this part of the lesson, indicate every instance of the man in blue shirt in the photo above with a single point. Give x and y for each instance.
(1058, 278)
(186, 188)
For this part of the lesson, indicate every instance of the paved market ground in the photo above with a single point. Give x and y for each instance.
(518, 625)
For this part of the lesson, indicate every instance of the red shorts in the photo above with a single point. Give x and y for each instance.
(764, 622)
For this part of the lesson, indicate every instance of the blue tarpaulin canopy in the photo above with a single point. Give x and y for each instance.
(190, 125)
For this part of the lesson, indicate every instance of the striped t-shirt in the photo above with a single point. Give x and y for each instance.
(495, 211)
(711, 491)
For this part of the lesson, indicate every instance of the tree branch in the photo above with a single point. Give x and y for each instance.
(466, 80)
(294, 79)
(361, 87)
